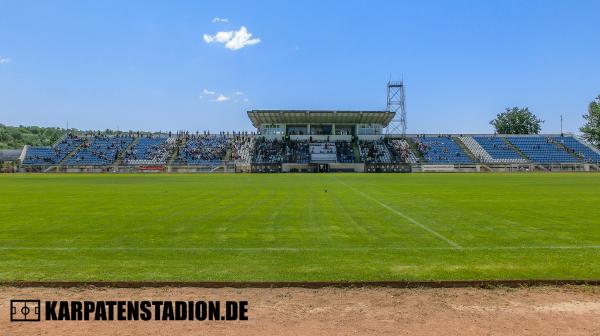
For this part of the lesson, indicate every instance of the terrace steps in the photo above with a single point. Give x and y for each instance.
(486, 168)
(180, 144)
(515, 148)
(51, 168)
(59, 140)
(356, 150)
(73, 152)
(121, 154)
(393, 154)
(566, 149)
(586, 143)
(24, 153)
(465, 149)
(413, 147)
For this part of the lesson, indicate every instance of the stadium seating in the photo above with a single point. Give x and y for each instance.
(495, 150)
(242, 149)
(297, 152)
(402, 151)
(480, 154)
(268, 151)
(374, 152)
(100, 150)
(52, 155)
(541, 149)
(41, 156)
(204, 149)
(150, 150)
(344, 152)
(583, 152)
(441, 150)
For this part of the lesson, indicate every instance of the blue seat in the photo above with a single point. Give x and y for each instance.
(541, 149)
(497, 148)
(51, 155)
(585, 153)
(204, 150)
(441, 150)
(149, 150)
(100, 151)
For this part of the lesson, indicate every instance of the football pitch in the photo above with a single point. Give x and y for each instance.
(299, 227)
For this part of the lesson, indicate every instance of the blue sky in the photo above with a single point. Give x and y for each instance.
(145, 64)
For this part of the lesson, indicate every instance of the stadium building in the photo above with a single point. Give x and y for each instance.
(319, 126)
(314, 141)
(311, 141)
(321, 140)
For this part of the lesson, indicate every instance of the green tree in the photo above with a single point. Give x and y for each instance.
(591, 128)
(17, 136)
(517, 121)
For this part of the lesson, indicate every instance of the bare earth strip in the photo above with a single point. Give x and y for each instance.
(569, 310)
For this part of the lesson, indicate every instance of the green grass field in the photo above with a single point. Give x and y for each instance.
(298, 227)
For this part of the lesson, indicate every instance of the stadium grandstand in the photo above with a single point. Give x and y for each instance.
(311, 141)
(148, 150)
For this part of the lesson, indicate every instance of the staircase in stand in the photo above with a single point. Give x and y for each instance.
(515, 148)
(121, 155)
(355, 150)
(586, 143)
(466, 149)
(566, 149)
(66, 158)
(180, 143)
(413, 147)
(72, 153)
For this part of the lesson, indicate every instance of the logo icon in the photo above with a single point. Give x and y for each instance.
(24, 310)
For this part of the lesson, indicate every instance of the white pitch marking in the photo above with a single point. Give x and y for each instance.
(422, 226)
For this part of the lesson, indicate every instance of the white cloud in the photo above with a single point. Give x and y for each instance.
(219, 97)
(220, 37)
(5, 60)
(222, 98)
(220, 20)
(233, 40)
(240, 39)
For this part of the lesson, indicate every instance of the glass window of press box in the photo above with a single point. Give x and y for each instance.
(369, 129)
(273, 129)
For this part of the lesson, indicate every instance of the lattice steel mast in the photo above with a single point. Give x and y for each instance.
(395, 103)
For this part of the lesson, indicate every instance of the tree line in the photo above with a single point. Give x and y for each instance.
(517, 120)
(12, 137)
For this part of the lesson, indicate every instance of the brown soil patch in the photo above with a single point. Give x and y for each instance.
(570, 310)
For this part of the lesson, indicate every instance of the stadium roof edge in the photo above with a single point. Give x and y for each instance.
(259, 117)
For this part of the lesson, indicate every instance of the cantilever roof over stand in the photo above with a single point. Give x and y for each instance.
(260, 117)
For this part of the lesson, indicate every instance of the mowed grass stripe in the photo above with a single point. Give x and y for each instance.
(298, 249)
(252, 227)
(542, 209)
(410, 219)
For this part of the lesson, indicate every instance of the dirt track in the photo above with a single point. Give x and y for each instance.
(338, 311)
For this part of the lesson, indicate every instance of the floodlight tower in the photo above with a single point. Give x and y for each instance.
(395, 103)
